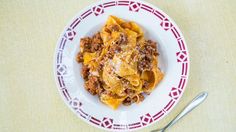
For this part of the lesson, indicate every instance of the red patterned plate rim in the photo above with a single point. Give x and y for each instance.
(106, 123)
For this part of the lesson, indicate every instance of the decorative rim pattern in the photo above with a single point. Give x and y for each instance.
(106, 122)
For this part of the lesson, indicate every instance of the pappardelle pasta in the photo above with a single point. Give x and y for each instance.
(119, 64)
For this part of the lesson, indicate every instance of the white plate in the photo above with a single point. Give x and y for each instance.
(174, 62)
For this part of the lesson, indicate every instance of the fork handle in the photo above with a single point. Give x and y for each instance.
(193, 104)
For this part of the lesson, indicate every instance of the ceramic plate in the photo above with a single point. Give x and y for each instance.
(173, 61)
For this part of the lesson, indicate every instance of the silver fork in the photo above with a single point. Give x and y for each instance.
(193, 104)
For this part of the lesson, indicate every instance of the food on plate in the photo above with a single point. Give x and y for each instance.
(119, 64)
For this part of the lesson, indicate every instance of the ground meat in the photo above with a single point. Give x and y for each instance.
(97, 38)
(144, 64)
(79, 57)
(92, 85)
(147, 52)
(96, 43)
(127, 101)
(85, 72)
(91, 44)
(138, 99)
(151, 47)
(100, 90)
(96, 47)
(86, 44)
(129, 92)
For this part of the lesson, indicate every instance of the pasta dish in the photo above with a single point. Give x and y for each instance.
(119, 64)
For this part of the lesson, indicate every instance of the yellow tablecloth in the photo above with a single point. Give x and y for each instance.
(29, 100)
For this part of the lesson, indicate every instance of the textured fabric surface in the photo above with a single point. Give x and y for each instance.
(29, 100)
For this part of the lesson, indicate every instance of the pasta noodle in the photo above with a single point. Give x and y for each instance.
(119, 64)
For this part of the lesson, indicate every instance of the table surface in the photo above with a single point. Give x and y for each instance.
(29, 100)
